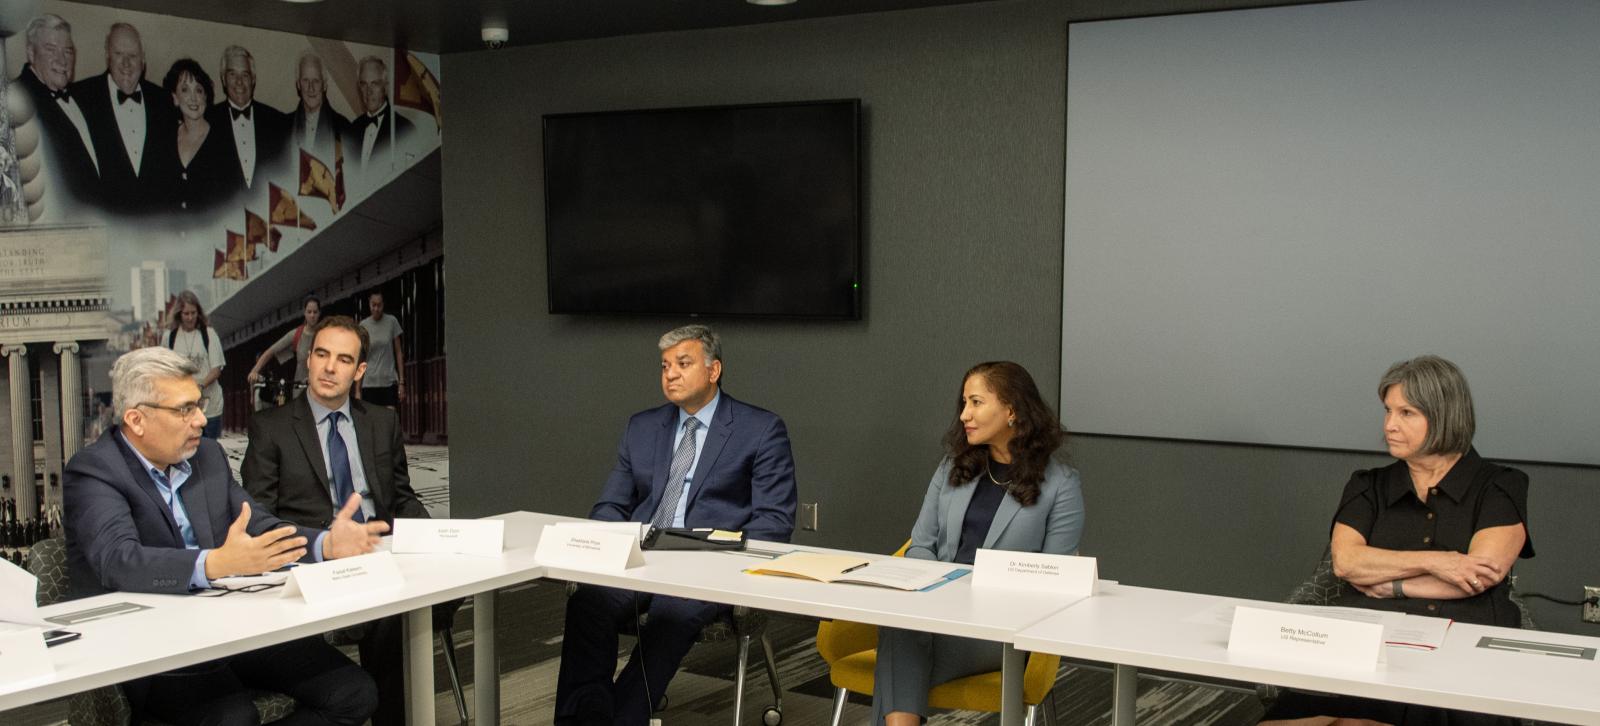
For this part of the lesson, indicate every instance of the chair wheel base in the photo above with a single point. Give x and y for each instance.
(771, 716)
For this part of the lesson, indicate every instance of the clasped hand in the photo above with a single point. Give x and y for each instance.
(1469, 573)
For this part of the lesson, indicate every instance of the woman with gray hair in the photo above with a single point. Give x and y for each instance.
(1435, 533)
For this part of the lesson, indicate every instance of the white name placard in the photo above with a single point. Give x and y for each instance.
(23, 656)
(485, 537)
(344, 577)
(593, 550)
(1064, 574)
(1281, 635)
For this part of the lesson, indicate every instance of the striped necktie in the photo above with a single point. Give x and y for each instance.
(682, 460)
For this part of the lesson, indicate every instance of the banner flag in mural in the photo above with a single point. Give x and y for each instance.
(286, 212)
(317, 181)
(255, 234)
(416, 87)
(227, 268)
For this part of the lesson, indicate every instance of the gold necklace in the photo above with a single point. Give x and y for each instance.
(996, 482)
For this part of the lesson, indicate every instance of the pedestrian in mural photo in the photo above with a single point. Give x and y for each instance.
(385, 382)
(190, 335)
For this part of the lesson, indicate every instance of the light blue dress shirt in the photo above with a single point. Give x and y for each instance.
(705, 415)
(347, 431)
(168, 483)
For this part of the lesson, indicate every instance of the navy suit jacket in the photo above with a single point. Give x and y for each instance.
(122, 537)
(744, 480)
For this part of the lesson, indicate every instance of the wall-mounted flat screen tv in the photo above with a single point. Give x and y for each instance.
(747, 210)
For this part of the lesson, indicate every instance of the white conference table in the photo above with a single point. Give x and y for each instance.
(1135, 627)
(179, 630)
(952, 609)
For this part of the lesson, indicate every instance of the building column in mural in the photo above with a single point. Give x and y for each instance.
(71, 405)
(21, 431)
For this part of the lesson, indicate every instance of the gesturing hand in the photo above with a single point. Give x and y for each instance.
(347, 537)
(241, 554)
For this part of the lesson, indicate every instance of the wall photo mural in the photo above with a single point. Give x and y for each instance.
(149, 163)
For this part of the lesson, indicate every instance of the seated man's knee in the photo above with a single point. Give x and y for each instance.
(237, 709)
(348, 696)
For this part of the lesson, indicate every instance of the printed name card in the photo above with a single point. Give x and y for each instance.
(345, 577)
(23, 656)
(593, 550)
(1282, 635)
(484, 537)
(1061, 574)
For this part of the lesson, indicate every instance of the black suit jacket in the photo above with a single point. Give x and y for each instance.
(122, 189)
(68, 156)
(121, 536)
(271, 141)
(330, 127)
(284, 471)
(383, 145)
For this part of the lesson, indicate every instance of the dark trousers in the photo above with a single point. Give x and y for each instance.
(383, 658)
(327, 688)
(585, 693)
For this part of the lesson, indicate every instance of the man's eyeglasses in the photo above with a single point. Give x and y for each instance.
(184, 411)
(218, 589)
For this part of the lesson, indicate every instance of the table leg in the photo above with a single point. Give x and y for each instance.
(485, 666)
(1125, 692)
(1012, 664)
(419, 667)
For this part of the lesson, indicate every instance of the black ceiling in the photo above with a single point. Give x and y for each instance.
(446, 26)
(451, 26)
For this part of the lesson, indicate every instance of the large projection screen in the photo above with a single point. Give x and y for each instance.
(1266, 208)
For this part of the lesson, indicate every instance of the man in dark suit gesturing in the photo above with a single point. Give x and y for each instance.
(318, 450)
(153, 507)
(702, 460)
(133, 124)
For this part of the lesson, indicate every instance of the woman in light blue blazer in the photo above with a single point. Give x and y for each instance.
(998, 487)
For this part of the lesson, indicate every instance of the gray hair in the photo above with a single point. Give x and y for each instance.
(374, 60)
(47, 21)
(1439, 390)
(314, 59)
(134, 375)
(709, 340)
(237, 51)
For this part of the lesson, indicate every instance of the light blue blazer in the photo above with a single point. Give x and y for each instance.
(1053, 524)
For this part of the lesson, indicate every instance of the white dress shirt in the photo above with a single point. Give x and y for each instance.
(244, 141)
(130, 123)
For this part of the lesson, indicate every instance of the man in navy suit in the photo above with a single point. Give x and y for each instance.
(133, 125)
(702, 460)
(153, 507)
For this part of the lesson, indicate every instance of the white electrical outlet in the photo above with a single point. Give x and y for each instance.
(1591, 611)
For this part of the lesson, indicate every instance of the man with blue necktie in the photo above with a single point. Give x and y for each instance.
(314, 452)
(702, 460)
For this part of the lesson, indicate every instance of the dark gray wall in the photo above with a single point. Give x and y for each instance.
(964, 113)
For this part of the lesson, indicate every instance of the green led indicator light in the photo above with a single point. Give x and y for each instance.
(855, 286)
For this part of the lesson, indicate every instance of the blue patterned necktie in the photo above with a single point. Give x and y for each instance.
(339, 467)
(682, 459)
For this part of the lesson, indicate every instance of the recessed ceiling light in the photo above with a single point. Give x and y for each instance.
(770, 2)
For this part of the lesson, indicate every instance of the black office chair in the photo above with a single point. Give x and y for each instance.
(743, 625)
(108, 705)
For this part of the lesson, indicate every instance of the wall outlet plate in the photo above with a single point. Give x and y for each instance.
(1591, 611)
(808, 516)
